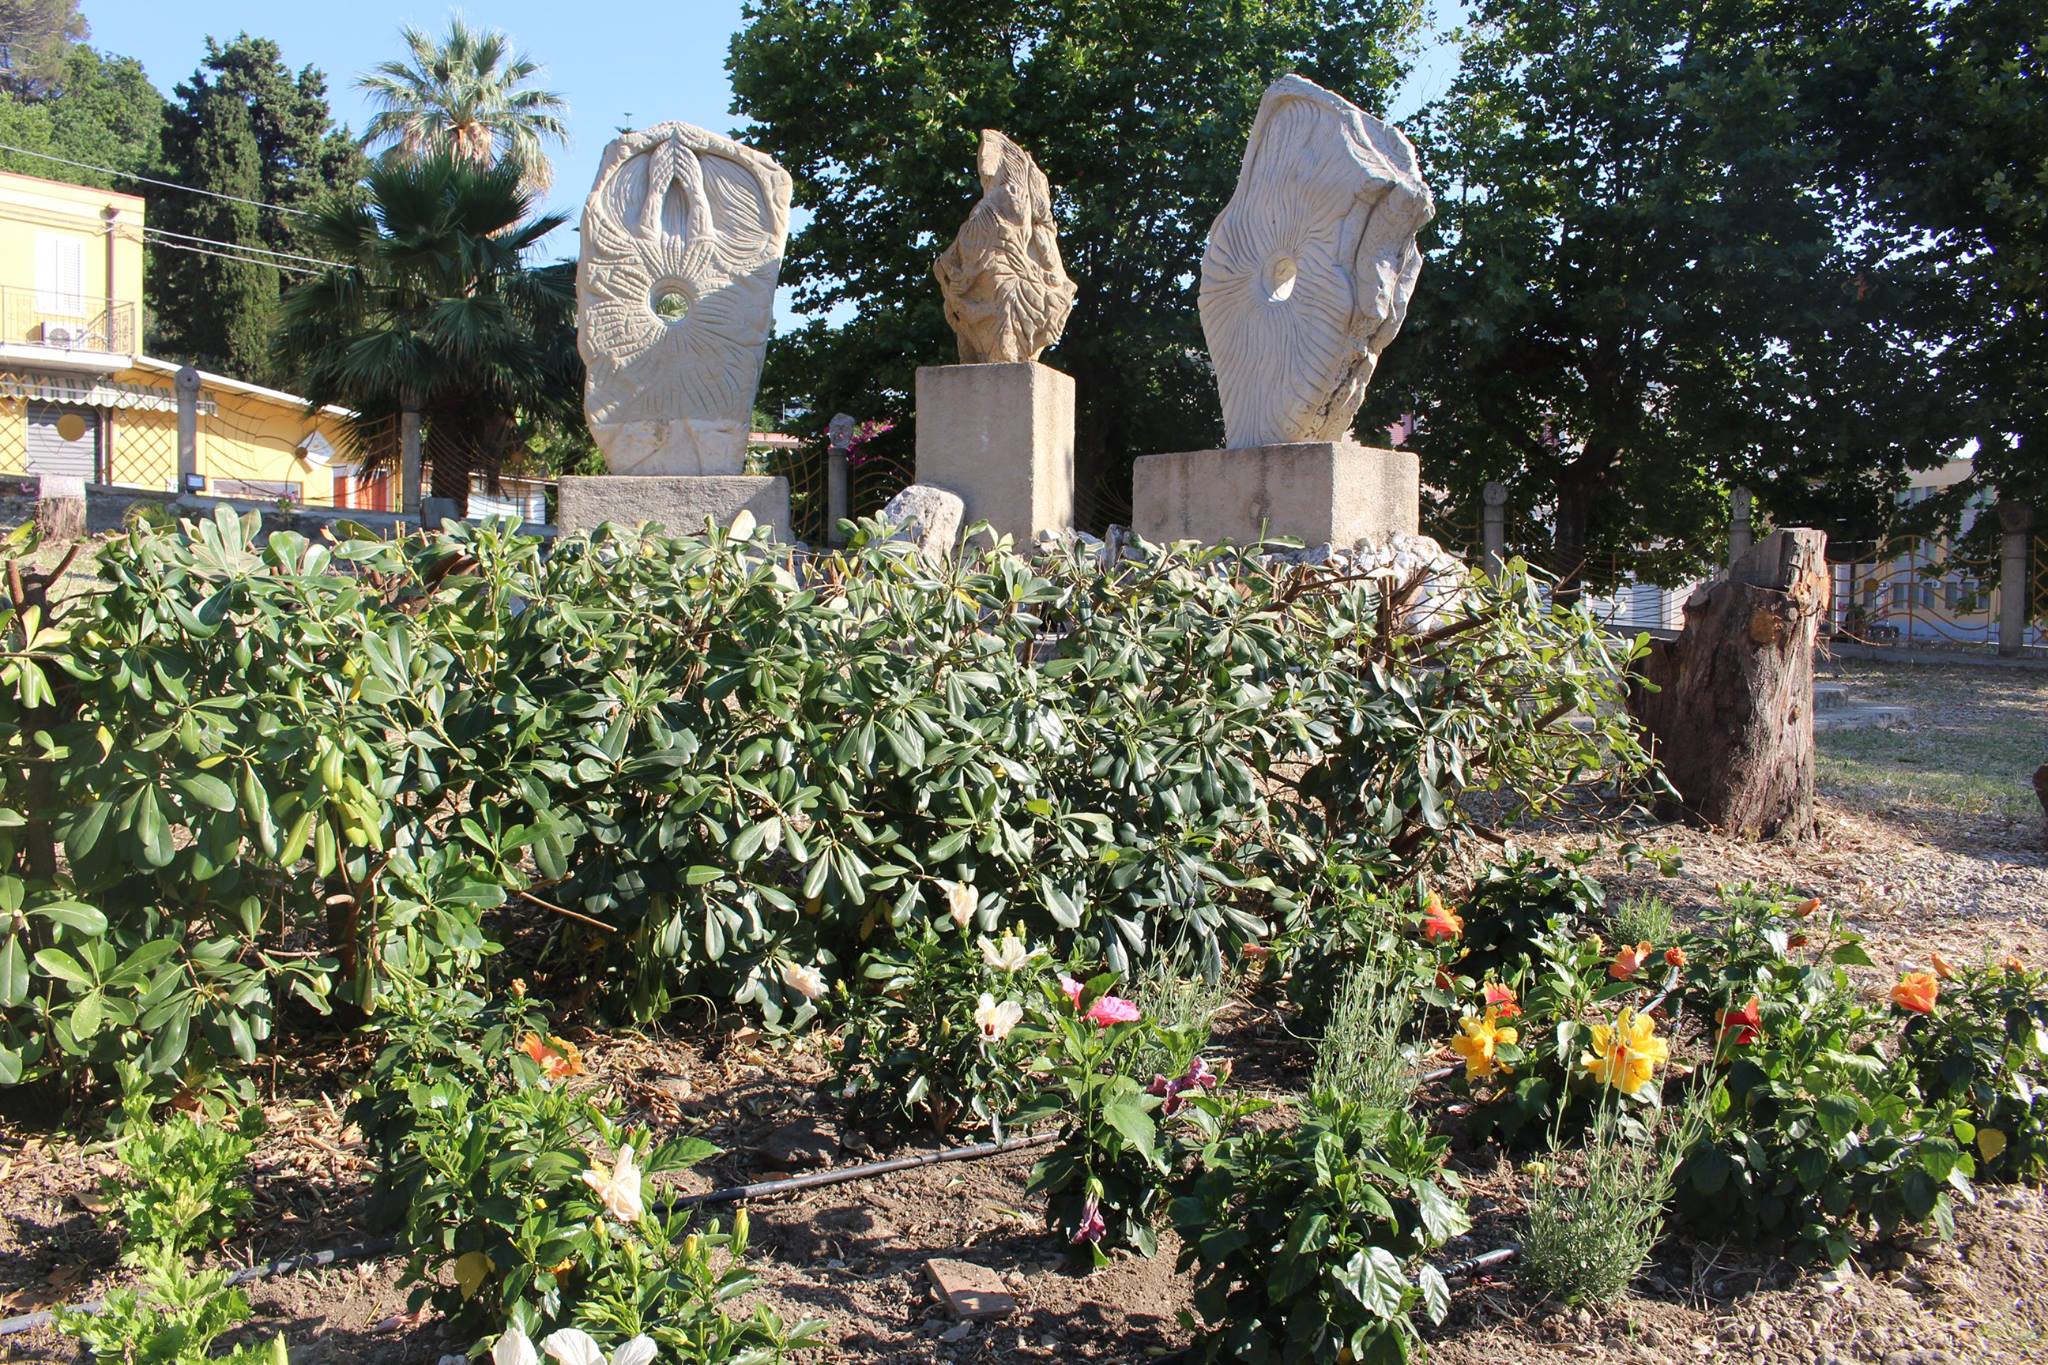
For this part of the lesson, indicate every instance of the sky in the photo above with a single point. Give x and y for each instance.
(619, 63)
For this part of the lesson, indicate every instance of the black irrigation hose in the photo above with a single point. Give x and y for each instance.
(377, 1246)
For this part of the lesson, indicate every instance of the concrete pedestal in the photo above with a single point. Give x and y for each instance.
(1316, 492)
(678, 503)
(1002, 437)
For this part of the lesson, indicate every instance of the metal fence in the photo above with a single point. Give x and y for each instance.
(1910, 593)
(66, 321)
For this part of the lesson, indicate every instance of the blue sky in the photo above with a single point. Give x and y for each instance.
(619, 63)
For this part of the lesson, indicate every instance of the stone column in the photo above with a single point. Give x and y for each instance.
(1740, 531)
(1001, 437)
(186, 382)
(409, 462)
(2016, 546)
(1494, 525)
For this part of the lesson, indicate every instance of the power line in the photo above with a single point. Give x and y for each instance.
(149, 180)
(235, 256)
(242, 246)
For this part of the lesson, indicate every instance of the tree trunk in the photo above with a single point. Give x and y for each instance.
(1732, 717)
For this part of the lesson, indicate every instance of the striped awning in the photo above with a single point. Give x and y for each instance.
(87, 391)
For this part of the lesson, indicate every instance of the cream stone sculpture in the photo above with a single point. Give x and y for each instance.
(1007, 295)
(1310, 265)
(675, 293)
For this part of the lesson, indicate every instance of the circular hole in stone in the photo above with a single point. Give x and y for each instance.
(1280, 274)
(671, 304)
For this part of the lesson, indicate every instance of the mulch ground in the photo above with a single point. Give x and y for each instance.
(1908, 880)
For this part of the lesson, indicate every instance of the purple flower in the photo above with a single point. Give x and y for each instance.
(1199, 1074)
(1092, 1227)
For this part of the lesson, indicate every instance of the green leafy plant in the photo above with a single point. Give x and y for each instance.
(1985, 1050)
(697, 765)
(183, 1181)
(1595, 1214)
(1643, 919)
(927, 1035)
(1516, 901)
(1305, 1239)
(662, 1279)
(1821, 1130)
(173, 1318)
(1106, 1181)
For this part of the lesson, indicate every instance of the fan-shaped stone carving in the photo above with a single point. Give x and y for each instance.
(675, 293)
(1310, 265)
(1007, 295)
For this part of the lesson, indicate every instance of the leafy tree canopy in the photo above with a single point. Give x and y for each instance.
(101, 111)
(1639, 292)
(1137, 112)
(35, 41)
(241, 90)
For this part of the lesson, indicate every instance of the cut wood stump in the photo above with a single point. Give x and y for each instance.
(1731, 714)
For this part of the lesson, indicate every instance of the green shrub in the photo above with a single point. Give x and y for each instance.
(1643, 919)
(1304, 1239)
(1106, 1182)
(1596, 1215)
(1984, 1049)
(1514, 902)
(172, 1319)
(300, 770)
(183, 1181)
(1185, 1006)
(1821, 1130)
(928, 1036)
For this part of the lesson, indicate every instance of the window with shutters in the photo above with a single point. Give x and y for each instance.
(60, 275)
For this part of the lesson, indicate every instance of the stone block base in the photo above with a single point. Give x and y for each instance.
(1316, 491)
(1002, 438)
(678, 503)
(674, 445)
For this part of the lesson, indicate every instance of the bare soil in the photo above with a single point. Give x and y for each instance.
(1909, 873)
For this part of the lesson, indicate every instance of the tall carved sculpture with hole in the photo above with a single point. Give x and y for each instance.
(1305, 280)
(683, 235)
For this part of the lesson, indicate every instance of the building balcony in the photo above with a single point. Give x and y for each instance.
(71, 324)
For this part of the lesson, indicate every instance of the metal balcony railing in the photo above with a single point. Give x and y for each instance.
(66, 322)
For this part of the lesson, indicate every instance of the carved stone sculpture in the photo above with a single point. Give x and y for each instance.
(1310, 265)
(675, 293)
(1007, 295)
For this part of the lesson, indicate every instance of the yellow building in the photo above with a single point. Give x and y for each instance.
(78, 397)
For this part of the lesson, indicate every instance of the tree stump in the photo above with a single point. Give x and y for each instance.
(60, 510)
(1731, 720)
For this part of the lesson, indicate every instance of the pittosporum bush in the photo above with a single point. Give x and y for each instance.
(1516, 900)
(1306, 1239)
(294, 770)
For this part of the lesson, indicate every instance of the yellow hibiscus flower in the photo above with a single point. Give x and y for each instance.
(1626, 1053)
(1477, 1038)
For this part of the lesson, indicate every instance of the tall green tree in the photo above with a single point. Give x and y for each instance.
(240, 89)
(436, 308)
(1137, 112)
(234, 301)
(466, 95)
(1639, 291)
(36, 37)
(101, 111)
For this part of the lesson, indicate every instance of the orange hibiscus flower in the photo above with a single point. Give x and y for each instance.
(1440, 924)
(1628, 962)
(1500, 999)
(557, 1058)
(1916, 991)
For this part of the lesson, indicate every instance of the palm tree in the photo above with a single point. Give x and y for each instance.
(434, 309)
(461, 95)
